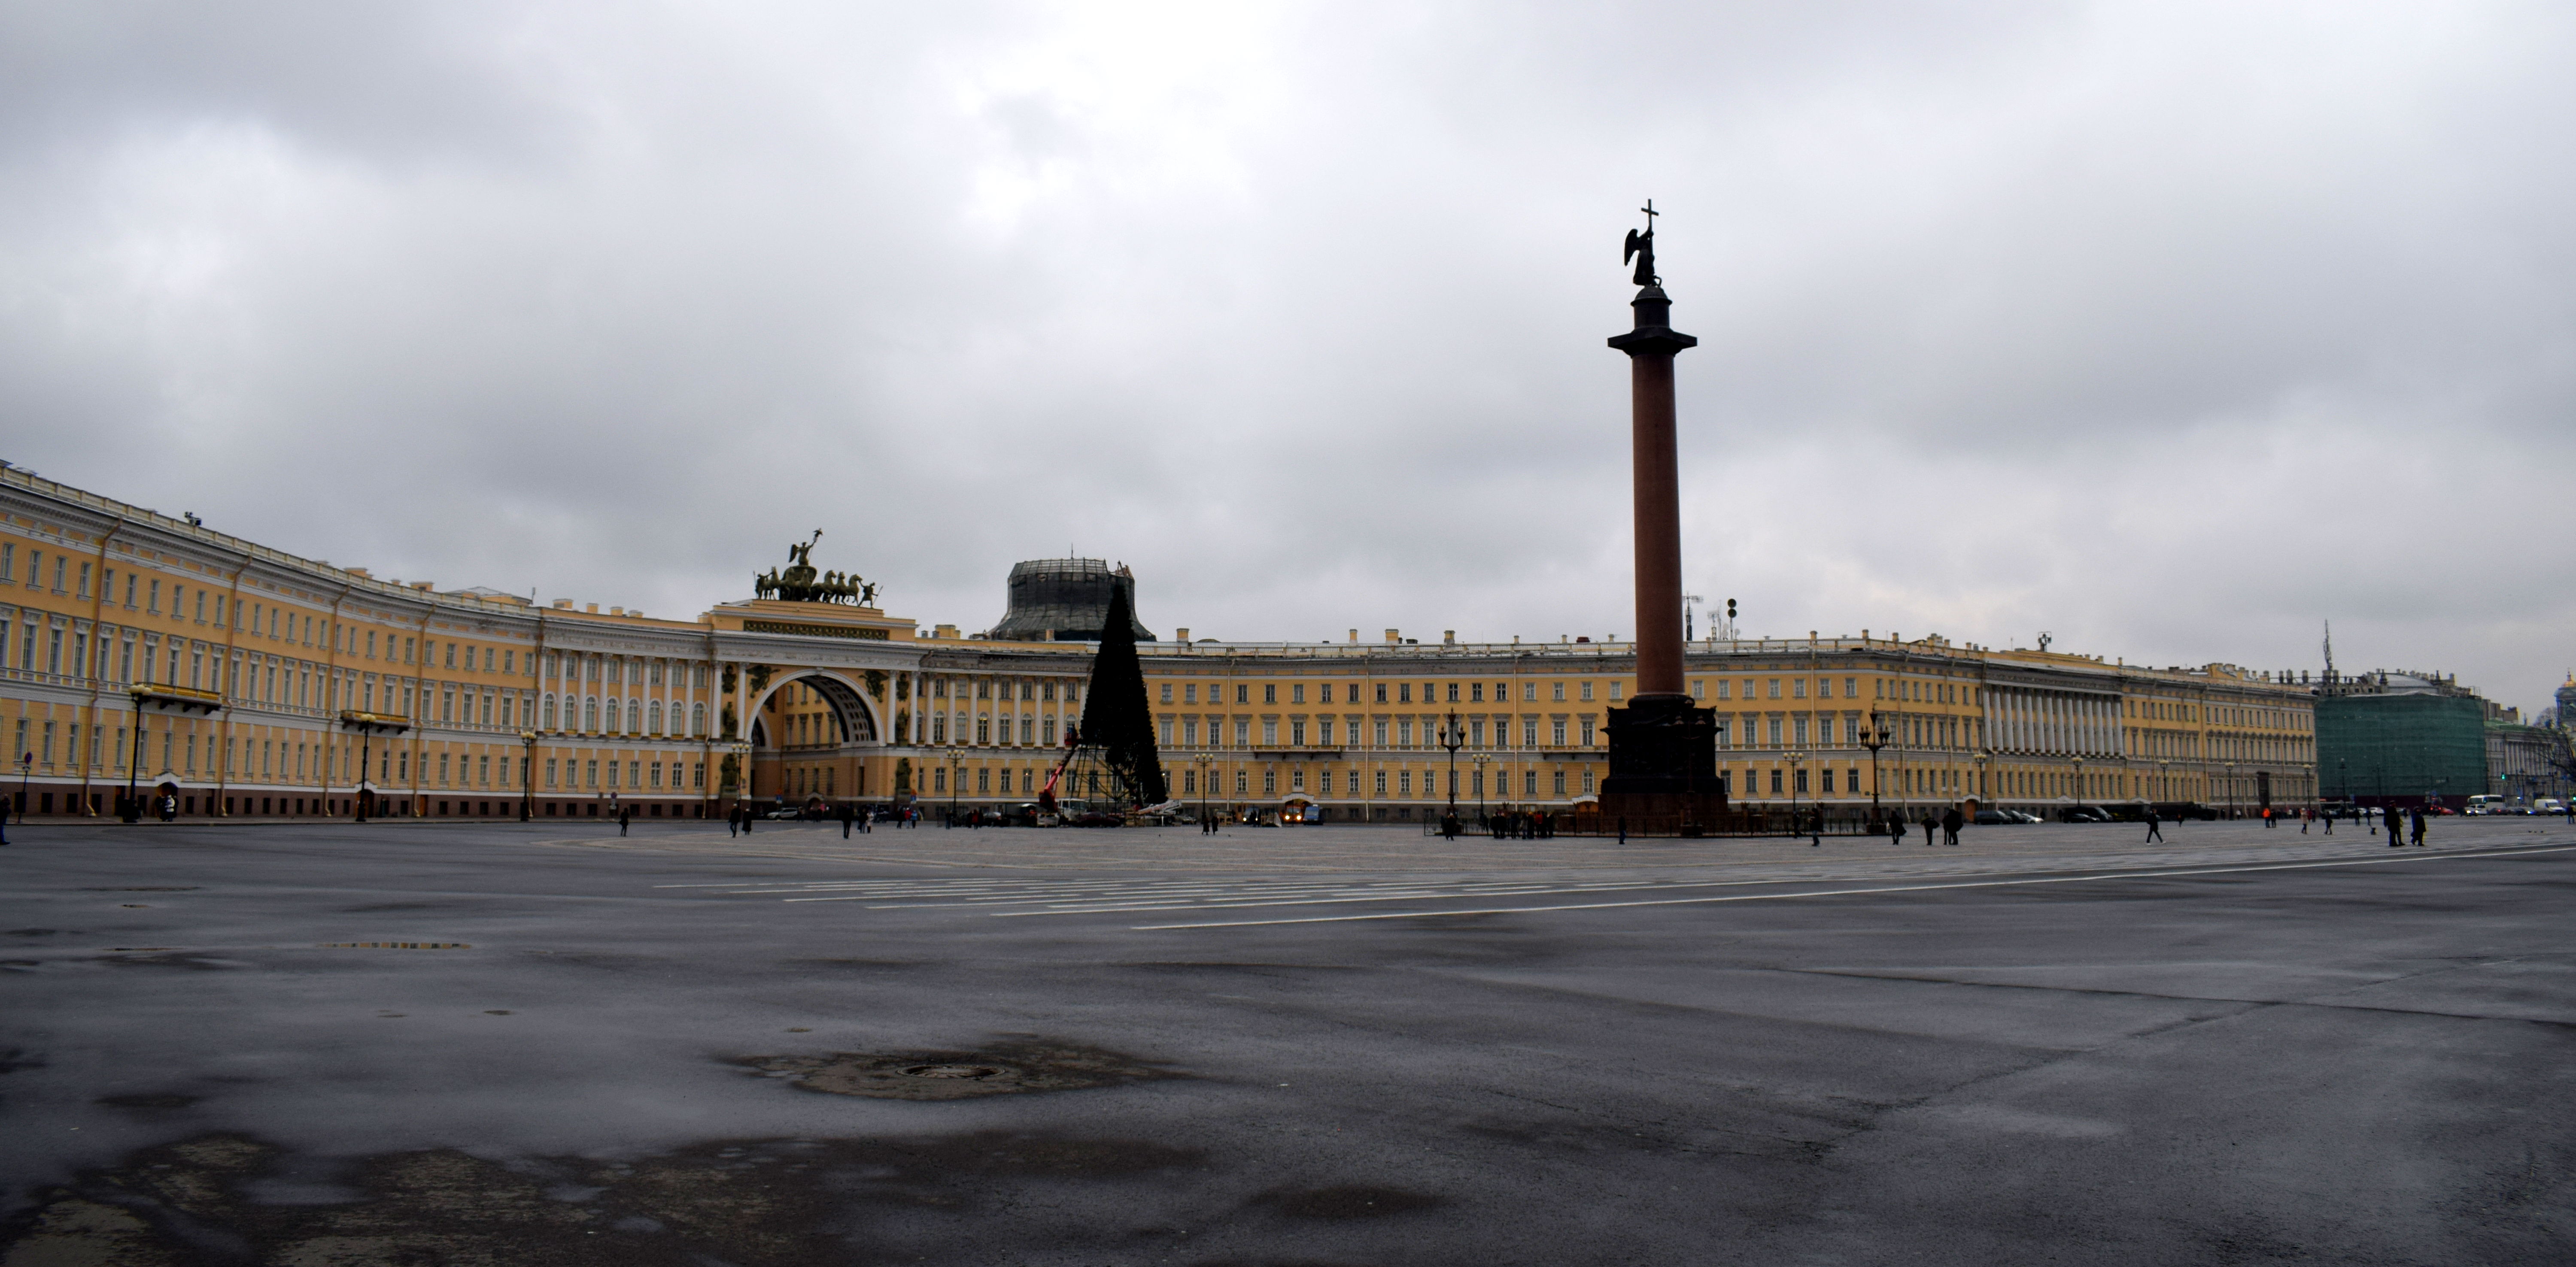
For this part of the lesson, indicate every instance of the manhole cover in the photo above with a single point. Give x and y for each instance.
(1004, 1069)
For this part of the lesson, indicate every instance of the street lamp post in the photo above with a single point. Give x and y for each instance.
(1481, 759)
(1983, 756)
(1796, 760)
(366, 753)
(1204, 761)
(1874, 736)
(1452, 739)
(956, 775)
(2080, 789)
(2229, 789)
(528, 776)
(132, 810)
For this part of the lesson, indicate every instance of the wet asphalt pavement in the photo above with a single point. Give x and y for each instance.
(433, 1043)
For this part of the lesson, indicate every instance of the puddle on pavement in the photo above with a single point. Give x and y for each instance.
(754, 1203)
(147, 1100)
(1346, 1202)
(1009, 1068)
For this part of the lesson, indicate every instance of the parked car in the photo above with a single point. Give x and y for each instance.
(2549, 805)
(1999, 817)
(2083, 814)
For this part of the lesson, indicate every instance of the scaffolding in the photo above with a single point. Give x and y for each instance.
(2403, 749)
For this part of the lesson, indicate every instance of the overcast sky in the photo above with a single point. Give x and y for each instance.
(2174, 330)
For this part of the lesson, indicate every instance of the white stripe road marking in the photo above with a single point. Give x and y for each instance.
(1897, 888)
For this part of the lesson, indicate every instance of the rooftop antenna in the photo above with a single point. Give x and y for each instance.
(1690, 605)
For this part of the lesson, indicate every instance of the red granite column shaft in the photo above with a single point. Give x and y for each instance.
(1657, 496)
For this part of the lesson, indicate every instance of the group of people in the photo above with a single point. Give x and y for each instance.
(1947, 823)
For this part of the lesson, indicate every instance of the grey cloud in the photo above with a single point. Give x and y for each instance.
(2173, 329)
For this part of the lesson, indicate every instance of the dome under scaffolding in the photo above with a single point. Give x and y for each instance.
(1066, 600)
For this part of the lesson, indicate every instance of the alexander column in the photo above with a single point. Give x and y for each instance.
(1663, 749)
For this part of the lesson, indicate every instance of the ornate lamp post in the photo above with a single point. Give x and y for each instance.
(1796, 760)
(2080, 789)
(130, 809)
(1452, 738)
(1481, 759)
(2228, 789)
(528, 775)
(1205, 761)
(366, 724)
(1874, 736)
(1983, 756)
(956, 775)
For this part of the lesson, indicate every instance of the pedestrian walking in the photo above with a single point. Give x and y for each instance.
(2268, 824)
(1930, 825)
(2155, 825)
(848, 816)
(1951, 822)
(2306, 817)
(2415, 820)
(624, 815)
(1896, 829)
(2388, 818)
(733, 821)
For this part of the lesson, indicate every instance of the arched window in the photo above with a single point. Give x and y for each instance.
(697, 719)
(612, 714)
(550, 710)
(655, 727)
(590, 713)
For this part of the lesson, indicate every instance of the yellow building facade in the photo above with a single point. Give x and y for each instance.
(140, 651)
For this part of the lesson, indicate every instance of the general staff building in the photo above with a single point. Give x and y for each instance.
(148, 652)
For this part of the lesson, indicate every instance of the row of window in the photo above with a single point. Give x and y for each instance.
(617, 670)
(1475, 692)
(307, 761)
(258, 617)
(1041, 690)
